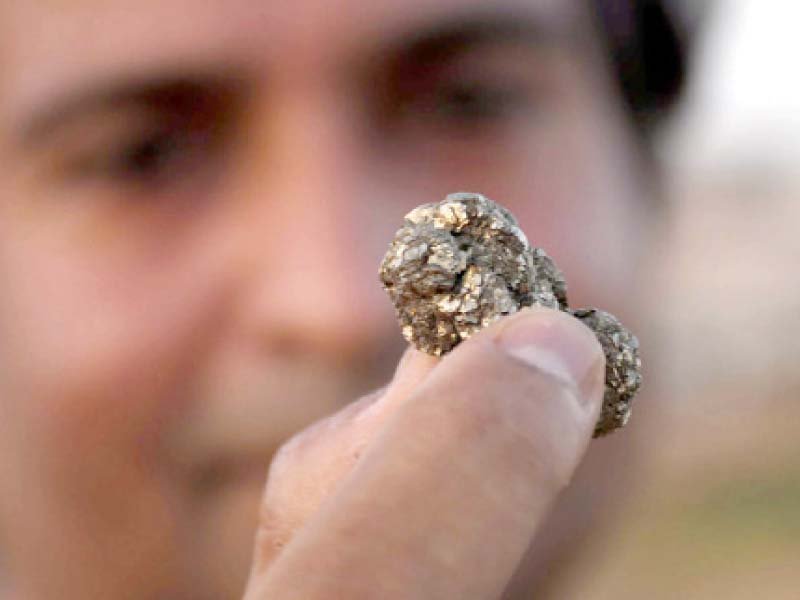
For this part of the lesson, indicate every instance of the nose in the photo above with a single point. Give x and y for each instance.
(314, 285)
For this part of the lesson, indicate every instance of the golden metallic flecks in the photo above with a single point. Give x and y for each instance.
(623, 367)
(448, 303)
(459, 265)
(463, 262)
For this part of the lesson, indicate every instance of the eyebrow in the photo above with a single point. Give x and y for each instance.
(422, 49)
(483, 28)
(434, 43)
(175, 91)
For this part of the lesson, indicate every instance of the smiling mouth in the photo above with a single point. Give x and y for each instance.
(239, 413)
(225, 471)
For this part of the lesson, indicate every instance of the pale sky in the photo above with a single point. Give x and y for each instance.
(744, 105)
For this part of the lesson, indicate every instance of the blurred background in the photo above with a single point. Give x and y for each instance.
(717, 511)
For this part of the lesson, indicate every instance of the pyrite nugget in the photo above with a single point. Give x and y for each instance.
(460, 264)
(623, 367)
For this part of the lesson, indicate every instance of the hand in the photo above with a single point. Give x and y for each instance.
(435, 486)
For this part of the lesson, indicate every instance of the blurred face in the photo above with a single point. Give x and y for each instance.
(195, 200)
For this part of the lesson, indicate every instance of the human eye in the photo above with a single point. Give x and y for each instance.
(482, 91)
(140, 141)
(476, 103)
(153, 156)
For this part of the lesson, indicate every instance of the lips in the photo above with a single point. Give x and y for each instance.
(240, 415)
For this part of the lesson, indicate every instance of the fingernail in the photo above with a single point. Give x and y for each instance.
(550, 341)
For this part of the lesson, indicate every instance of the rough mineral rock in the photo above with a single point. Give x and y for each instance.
(458, 265)
(623, 367)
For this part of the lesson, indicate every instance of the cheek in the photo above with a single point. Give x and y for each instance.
(584, 210)
(576, 193)
(98, 346)
(95, 357)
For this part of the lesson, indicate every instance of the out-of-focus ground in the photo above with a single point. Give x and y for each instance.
(717, 511)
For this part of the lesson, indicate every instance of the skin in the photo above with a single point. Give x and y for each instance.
(195, 200)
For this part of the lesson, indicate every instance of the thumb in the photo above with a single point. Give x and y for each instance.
(449, 492)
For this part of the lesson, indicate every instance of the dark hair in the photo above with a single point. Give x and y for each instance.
(649, 52)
